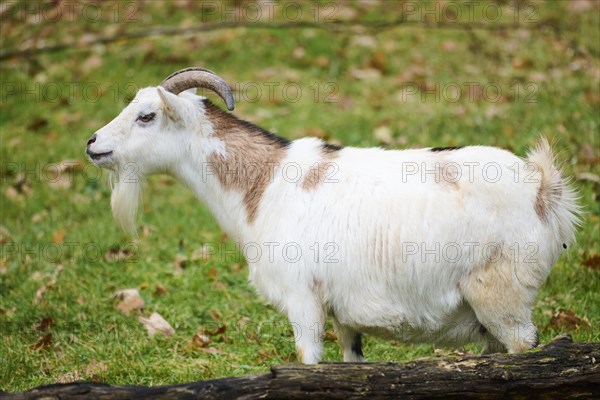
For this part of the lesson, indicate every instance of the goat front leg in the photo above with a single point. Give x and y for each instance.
(307, 317)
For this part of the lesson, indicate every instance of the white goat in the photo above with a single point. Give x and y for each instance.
(444, 245)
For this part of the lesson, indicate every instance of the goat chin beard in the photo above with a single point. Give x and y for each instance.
(125, 198)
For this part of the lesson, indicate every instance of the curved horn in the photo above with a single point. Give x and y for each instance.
(196, 77)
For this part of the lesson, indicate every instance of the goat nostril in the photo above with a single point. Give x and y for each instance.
(92, 139)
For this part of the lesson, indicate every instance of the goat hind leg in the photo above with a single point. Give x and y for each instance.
(350, 341)
(503, 306)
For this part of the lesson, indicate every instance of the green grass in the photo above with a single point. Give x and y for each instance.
(90, 339)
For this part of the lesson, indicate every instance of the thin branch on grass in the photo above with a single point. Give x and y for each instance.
(337, 26)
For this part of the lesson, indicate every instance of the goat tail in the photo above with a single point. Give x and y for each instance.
(556, 202)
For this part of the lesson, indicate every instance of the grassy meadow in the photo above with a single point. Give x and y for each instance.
(425, 81)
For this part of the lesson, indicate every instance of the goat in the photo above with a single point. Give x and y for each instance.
(443, 245)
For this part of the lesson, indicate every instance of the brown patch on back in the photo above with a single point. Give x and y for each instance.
(252, 156)
(448, 176)
(317, 174)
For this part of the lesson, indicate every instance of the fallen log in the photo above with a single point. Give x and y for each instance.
(562, 369)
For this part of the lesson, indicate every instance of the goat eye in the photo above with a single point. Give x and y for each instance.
(146, 117)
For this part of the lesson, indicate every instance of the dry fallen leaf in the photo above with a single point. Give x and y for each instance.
(45, 324)
(37, 217)
(212, 273)
(440, 352)
(449, 46)
(588, 176)
(342, 13)
(267, 73)
(330, 336)
(267, 355)
(58, 237)
(66, 166)
(588, 155)
(43, 343)
(220, 330)
(580, 6)
(220, 285)
(521, 62)
(363, 41)
(203, 254)
(592, 97)
(62, 181)
(299, 52)
(12, 193)
(365, 73)
(91, 63)
(212, 350)
(44, 288)
(9, 312)
(568, 320)
(130, 300)
(37, 124)
(40, 293)
(198, 341)
(215, 315)
(4, 235)
(69, 377)
(160, 290)
(157, 324)
(236, 267)
(118, 254)
(592, 262)
(378, 62)
(322, 61)
(36, 276)
(59, 175)
(93, 371)
(95, 368)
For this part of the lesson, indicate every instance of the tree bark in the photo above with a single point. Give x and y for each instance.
(562, 369)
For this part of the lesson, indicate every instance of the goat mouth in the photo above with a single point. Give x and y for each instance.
(99, 158)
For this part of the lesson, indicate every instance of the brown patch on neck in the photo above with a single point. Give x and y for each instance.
(318, 173)
(252, 156)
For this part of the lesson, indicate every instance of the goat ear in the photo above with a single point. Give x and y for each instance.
(169, 101)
